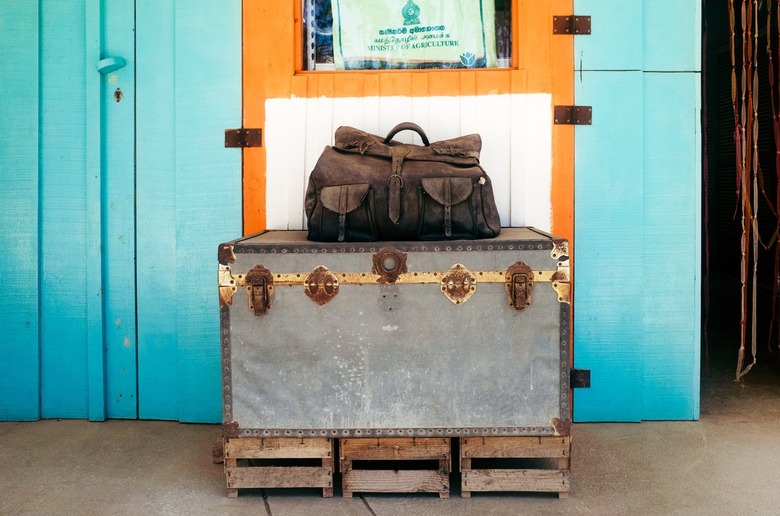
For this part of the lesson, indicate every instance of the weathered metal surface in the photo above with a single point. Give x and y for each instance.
(225, 255)
(260, 289)
(389, 264)
(243, 137)
(572, 25)
(396, 359)
(573, 115)
(228, 285)
(519, 286)
(321, 285)
(579, 378)
(458, 284)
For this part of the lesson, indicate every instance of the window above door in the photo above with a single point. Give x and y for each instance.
(405, 34)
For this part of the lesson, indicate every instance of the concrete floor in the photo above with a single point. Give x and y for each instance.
(727, 463)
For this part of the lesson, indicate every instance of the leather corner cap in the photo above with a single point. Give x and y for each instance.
(343, 198)
(436, 187)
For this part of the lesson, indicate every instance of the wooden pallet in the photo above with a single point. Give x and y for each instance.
(545, 464)
(254, 462)
(393, 479)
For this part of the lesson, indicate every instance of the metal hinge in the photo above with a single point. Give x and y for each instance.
(579, 378)
(243, 137)
(576, 25)
(573, 115)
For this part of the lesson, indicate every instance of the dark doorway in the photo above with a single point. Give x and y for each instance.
(726, 110)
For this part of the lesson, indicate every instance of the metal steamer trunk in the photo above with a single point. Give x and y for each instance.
(395, 339)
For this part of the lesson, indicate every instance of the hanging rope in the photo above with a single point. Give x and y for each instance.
(773, 94)
(746, 166)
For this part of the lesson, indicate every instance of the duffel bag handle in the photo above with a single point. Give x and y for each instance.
(407, 126)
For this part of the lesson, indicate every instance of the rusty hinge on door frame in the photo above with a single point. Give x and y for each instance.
(574, 25)
(242, 137)
(573, 115)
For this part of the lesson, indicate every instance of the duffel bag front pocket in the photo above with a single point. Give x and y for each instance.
(446, 209)
(345, 213)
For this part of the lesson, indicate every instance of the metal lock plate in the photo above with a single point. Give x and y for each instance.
(519, 286)
(458, 284)
(321, 285)
(260, 289)
(389, 264)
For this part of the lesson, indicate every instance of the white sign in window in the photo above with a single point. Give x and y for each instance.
(407, 34)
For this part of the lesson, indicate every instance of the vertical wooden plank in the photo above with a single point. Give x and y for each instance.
(673, 36)
(421, 108)
(268, 64)
(494, 124)
(96, 356)
(671, 300)
(156, 210)
(280, 137)
(615, 42)
(19, 355)
(532, 152)
(608, 295)
(118, 141)
(468, 102)
(208, 189)
(609, 157)
(672, 208)
(63, 238)
(396, 104)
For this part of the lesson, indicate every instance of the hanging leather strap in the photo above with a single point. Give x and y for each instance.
(447, 207)
(343, 196)
(395, 183)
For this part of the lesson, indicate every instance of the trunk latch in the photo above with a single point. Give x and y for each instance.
(260, 289)
(519, 286)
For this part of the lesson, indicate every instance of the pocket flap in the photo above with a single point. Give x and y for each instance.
(436, 187)
(343, 199)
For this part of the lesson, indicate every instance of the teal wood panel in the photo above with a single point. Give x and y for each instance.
(609, 244)
(156, 211)
(206, 184)
(19, 380)
(672, 246)
(672, 35)
(615, 42)
(654, 107)
(118, 210)
(63, 212)
(96, 357)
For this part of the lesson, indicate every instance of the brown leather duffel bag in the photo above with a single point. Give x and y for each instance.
(366, 188)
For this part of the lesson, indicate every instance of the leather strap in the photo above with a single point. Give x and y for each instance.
(407, 126)
(447, 207)
(395, 183)
(343, 212)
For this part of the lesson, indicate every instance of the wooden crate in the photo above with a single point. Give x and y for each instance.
(545, 463)
(255, 462)
(393, 478)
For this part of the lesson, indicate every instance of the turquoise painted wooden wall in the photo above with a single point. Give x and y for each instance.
(637, 216)
(111, 211)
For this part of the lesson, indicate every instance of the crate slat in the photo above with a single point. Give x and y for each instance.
(540, 480)
(402, 448)
(274, 476)
(244, 474)
(396, 451)
(552, 478)
(396, 481)
(515, 447)
(278, 448)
